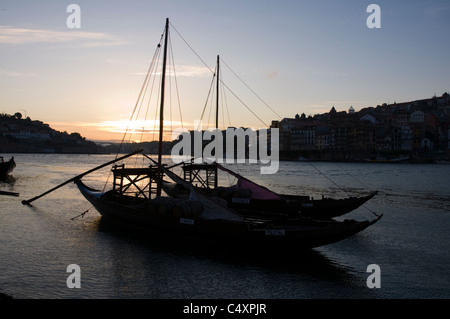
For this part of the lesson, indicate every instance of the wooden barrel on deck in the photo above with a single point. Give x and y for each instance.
(220, 201)
(242, 193)
(179, 209)
(151, 207)
(196, 208)
(165, 208)
(188, 209)
(225, 192)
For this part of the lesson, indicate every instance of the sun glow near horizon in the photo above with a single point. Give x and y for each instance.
(135, 131)
(115, 130)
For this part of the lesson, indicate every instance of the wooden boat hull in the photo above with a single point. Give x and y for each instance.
(288, 205)
(328, 207)
(7, 167)
(305, 233)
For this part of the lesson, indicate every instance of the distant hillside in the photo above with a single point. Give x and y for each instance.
(19, 135)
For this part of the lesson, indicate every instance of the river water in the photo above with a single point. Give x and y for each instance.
(410, 244)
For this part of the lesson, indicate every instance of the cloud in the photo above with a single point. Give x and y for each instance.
(16, 74)
(352, 102)
(437, 11)
(192, 71)
(186, 71)
(16, 35)
(330, 74)
(107, 130)
(273, 75)
(120, 126)
(318, 108)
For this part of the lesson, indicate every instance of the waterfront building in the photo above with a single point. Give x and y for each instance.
(409, 128)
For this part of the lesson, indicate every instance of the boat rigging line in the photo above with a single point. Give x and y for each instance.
(334, 183)
(279, 116)
(139, 101)
(232, 92)
(207, 99)
(353, 177)
(82, 214)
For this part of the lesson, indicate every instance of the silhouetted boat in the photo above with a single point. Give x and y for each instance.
(6, 167)
(251, 199)
(202, 219)
(136, 201)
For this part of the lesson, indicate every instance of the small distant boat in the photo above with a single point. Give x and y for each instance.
(388, 160)
(442, 162)
(6, 167)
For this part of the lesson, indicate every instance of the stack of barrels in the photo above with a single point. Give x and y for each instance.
(174, 207)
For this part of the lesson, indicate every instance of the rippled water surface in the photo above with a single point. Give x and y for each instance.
(410, 244)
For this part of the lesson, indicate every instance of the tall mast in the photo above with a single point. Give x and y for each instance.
(217, 95)
(161, 113)
(217, 118)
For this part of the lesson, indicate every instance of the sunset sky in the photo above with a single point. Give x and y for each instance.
(297, 56)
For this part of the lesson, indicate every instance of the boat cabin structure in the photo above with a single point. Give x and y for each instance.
(201, 175)
(138, 182)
